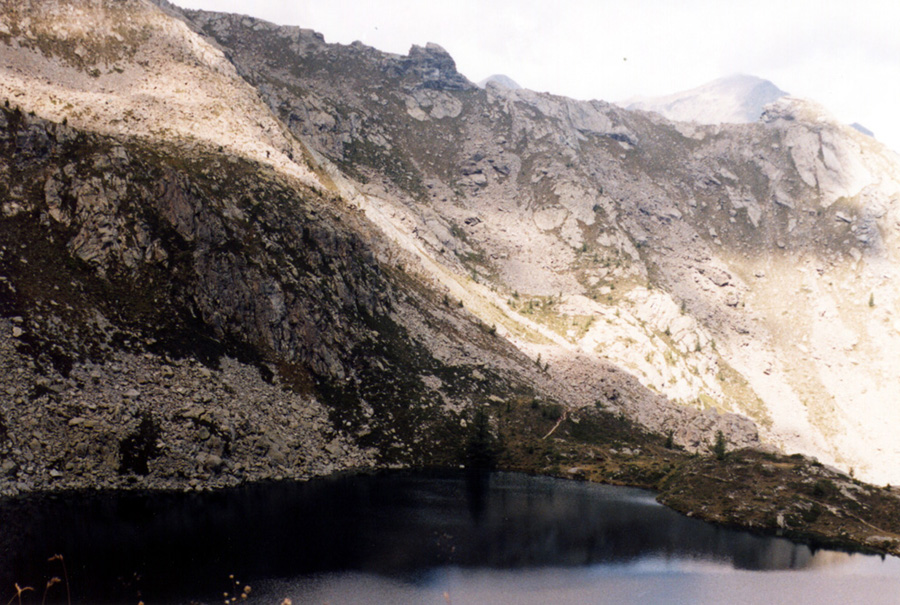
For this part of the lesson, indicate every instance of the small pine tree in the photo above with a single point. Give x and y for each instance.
(720, 448)
(481, 445)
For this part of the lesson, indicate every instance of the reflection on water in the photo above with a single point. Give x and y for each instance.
(406, 537)
(604, 584)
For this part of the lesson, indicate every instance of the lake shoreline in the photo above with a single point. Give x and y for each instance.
(432, 521)
(696, 486)
(759, 490)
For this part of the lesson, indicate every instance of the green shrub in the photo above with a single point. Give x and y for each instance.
(823, 488)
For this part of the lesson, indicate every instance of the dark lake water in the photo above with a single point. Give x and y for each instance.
(415, 538)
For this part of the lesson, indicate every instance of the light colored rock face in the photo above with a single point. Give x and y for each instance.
(126, 67)
(425, 104)
(725, 267)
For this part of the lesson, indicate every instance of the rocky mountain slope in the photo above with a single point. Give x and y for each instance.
(191, 297)
(745, 268)
(737, 99)
(230, 251)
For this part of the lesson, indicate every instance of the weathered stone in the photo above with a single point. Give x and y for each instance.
(717, 276)
(8, 468)
(210, 462)
(334, 448)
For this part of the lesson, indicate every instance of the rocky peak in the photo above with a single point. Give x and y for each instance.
(434, 68)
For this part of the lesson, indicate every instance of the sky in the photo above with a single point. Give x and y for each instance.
(844, 54)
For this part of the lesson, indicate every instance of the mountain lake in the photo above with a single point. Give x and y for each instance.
(403, 537)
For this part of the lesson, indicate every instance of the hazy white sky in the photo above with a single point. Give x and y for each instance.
(845, 54)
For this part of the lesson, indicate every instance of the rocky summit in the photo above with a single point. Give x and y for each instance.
(232, 251)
